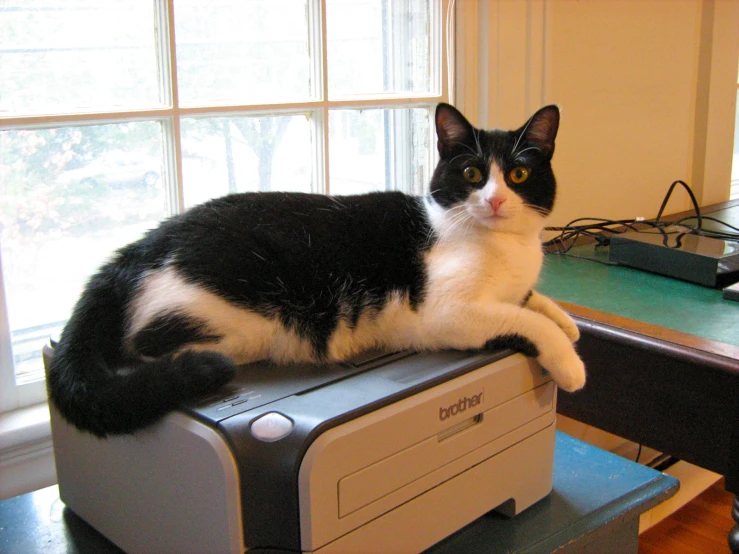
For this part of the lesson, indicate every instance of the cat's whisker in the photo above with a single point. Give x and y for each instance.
(457, 216)
(540, 210)
(464, 155)
(468, 147)
(470, 221)
(518, 154)
(337, 203)
(518, 140)
(476, 134)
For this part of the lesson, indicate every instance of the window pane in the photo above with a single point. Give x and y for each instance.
(222, 155)
(379, 46)
(77, 55)
(68, 198)
(242, 51)
(379, 149)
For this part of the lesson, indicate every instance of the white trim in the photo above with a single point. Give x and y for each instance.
(26, 451)
(172, 140)
(466, 54)
(8, 391)
(500, 77)
(715, 103)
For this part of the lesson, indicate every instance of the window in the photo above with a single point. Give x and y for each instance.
(117, 113)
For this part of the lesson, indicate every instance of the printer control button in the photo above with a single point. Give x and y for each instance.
(271, 427)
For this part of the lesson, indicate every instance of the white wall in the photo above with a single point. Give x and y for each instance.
(647, 90)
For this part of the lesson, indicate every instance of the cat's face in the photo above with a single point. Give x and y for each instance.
(498, 179)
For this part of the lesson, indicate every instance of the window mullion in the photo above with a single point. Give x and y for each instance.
(8, 391)
(322, 159)
(172, 139)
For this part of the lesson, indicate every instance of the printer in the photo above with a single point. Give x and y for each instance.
(392, 452)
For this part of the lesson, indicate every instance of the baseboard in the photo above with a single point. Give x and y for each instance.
(693, 481)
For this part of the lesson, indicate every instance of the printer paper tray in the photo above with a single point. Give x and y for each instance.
(433, 460)
(521, 473)
(368, 467)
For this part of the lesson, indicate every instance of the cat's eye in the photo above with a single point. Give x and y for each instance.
(472, 174)
(519, 175)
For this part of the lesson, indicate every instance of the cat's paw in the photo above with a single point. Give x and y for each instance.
(200, 373)
(569, 326)
(567, 370)
(547, 307)
(573, 378)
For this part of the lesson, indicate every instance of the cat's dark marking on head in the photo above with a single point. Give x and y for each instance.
(303, 277)
(460, 145)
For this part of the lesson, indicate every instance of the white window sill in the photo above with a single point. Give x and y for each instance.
(26, 451)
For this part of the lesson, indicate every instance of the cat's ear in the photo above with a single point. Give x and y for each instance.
(451, 128)
(541, 130)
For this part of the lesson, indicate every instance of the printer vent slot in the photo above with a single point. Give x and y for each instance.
(459, 427)
(374, 358)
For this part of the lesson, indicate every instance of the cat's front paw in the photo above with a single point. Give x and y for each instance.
(567, 370)
(569, 326)
(573, 379)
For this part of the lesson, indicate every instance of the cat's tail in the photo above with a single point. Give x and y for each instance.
(96, 389)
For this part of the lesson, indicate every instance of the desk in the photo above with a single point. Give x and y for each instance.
(662, 358)
(596, 499)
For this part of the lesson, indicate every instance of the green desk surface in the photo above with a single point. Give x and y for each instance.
(639, 295)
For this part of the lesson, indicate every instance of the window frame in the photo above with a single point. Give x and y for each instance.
(14, 396)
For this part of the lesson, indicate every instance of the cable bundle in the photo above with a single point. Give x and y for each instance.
(601, 230)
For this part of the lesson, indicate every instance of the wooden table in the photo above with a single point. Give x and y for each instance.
(594, 506)
(662, 357)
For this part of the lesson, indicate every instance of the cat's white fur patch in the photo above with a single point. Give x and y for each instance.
(481, 269)
(248, 336)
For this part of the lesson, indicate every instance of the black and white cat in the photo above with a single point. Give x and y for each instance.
(300, 277)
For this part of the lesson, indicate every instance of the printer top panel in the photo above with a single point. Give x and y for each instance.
(261, 383)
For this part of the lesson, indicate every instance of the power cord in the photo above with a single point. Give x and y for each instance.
(600, 230)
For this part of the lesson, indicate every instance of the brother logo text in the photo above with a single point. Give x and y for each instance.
(460, 406)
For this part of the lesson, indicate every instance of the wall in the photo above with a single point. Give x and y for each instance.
(647, 90)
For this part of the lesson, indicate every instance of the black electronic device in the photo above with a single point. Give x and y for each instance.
(732, 292)
(675, 252)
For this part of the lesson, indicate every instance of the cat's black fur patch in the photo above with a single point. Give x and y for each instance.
(306, 259)
(514, 342)
(527, 297)
(168, 333)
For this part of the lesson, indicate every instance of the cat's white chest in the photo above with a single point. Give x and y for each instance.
(499, 269)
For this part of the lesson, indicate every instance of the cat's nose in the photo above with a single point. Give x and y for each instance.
(495, 202)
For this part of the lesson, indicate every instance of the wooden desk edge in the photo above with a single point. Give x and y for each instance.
(589, 317)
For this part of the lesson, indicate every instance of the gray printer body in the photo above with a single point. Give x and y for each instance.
(388, 453)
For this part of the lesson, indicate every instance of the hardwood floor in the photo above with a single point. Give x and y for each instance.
(699, 527)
